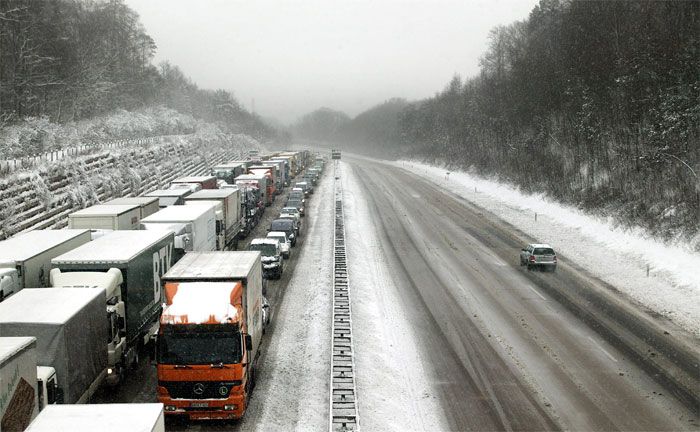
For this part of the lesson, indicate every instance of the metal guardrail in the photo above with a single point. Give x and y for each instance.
(344, 414)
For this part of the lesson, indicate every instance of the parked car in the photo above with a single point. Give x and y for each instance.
(271, 256)
(285, 245)
(286, 225)
(538, 255)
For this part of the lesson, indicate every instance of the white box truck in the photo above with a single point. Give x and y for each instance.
(141, 417)
(230, 199)
(147, 205)
(106, 217)
(194, 226)
(70, 331)
(25, 259)
(18, 383)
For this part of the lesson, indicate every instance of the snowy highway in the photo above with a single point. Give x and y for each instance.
(450, 332)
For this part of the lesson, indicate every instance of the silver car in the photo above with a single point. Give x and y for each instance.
(538, 255)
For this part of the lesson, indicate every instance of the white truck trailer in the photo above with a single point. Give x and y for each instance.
(70, 331)
(230, 199)
(106, 217)
(194, 226)
(142, 417)
(25, 259)
(18, 383)
(147, 205)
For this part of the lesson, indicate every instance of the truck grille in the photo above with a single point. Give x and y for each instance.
(199, 389)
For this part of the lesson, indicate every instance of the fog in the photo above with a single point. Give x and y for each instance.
(291, 57)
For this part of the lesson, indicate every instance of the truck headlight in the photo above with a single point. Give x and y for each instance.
(230, 407)
(170, 408)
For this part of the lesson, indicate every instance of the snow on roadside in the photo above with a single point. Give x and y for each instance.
(390, 396)
(292, 391)
(617, 256)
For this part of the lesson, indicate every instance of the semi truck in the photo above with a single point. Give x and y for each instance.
(230, 199)
(194, 227)
(269, 174)
(206, 182)
(106, 217)
(210, 334)
(130, 263)
(147, 205)
(141, 417)
(69, 327)
(169, 197)
(229, 171)
(25, 259)
(257, 181)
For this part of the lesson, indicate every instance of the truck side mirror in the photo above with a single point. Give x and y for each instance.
(59, 395)
(248, 342)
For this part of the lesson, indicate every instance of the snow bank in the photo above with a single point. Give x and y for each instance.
(617, 256)
(390, 398)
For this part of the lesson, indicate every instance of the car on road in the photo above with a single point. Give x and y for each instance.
(293, 210)
(271, 256)
(305, 186)
(281, 237)
(297, 222)
(287, 225)
(538, 255)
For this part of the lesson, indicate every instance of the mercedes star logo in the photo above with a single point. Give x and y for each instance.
(198, 388)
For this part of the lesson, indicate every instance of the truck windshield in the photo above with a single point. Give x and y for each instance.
(199, 344)
(264, 248)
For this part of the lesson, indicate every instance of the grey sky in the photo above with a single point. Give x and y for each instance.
(296, 56)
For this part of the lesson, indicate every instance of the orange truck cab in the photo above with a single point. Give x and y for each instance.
(210, 333)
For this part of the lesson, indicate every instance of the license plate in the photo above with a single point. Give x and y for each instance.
(200, 404)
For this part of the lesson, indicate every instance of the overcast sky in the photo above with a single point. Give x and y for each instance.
(295, 56)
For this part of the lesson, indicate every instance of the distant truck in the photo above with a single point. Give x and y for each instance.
(69, 327)
(106, 217)
(230, 199)
(194, 227)
(210, 332)
(206, 182)
(269, 174)
(256, 181)
(137, 259)
(135, 417)
(169, 197)
(147, 205)
(229, 171)
(25, 259)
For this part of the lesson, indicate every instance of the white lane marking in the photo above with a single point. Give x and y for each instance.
(536, 292)
(602, 349)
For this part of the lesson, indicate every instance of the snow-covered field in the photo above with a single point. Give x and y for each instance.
(390, 399)
(617, 256)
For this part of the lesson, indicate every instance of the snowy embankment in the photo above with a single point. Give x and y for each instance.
(390, 399)
(617, 256)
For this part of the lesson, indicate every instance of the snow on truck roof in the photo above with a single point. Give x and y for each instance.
(10, 346)
(205, 194)
(30, 244)
(46, 305)
(140, 200)
(105, 210)
(113, 247)
(214, 265)
(188, 302)
(264, 241)
(168, 193)
(178, 213)
(192, 179)
(134, 417)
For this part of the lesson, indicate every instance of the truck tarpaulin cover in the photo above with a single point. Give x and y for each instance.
(70, 330)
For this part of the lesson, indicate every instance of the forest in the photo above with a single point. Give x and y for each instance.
(69, 60)
(595, 103)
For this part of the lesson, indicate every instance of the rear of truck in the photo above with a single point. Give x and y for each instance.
(209, 336)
